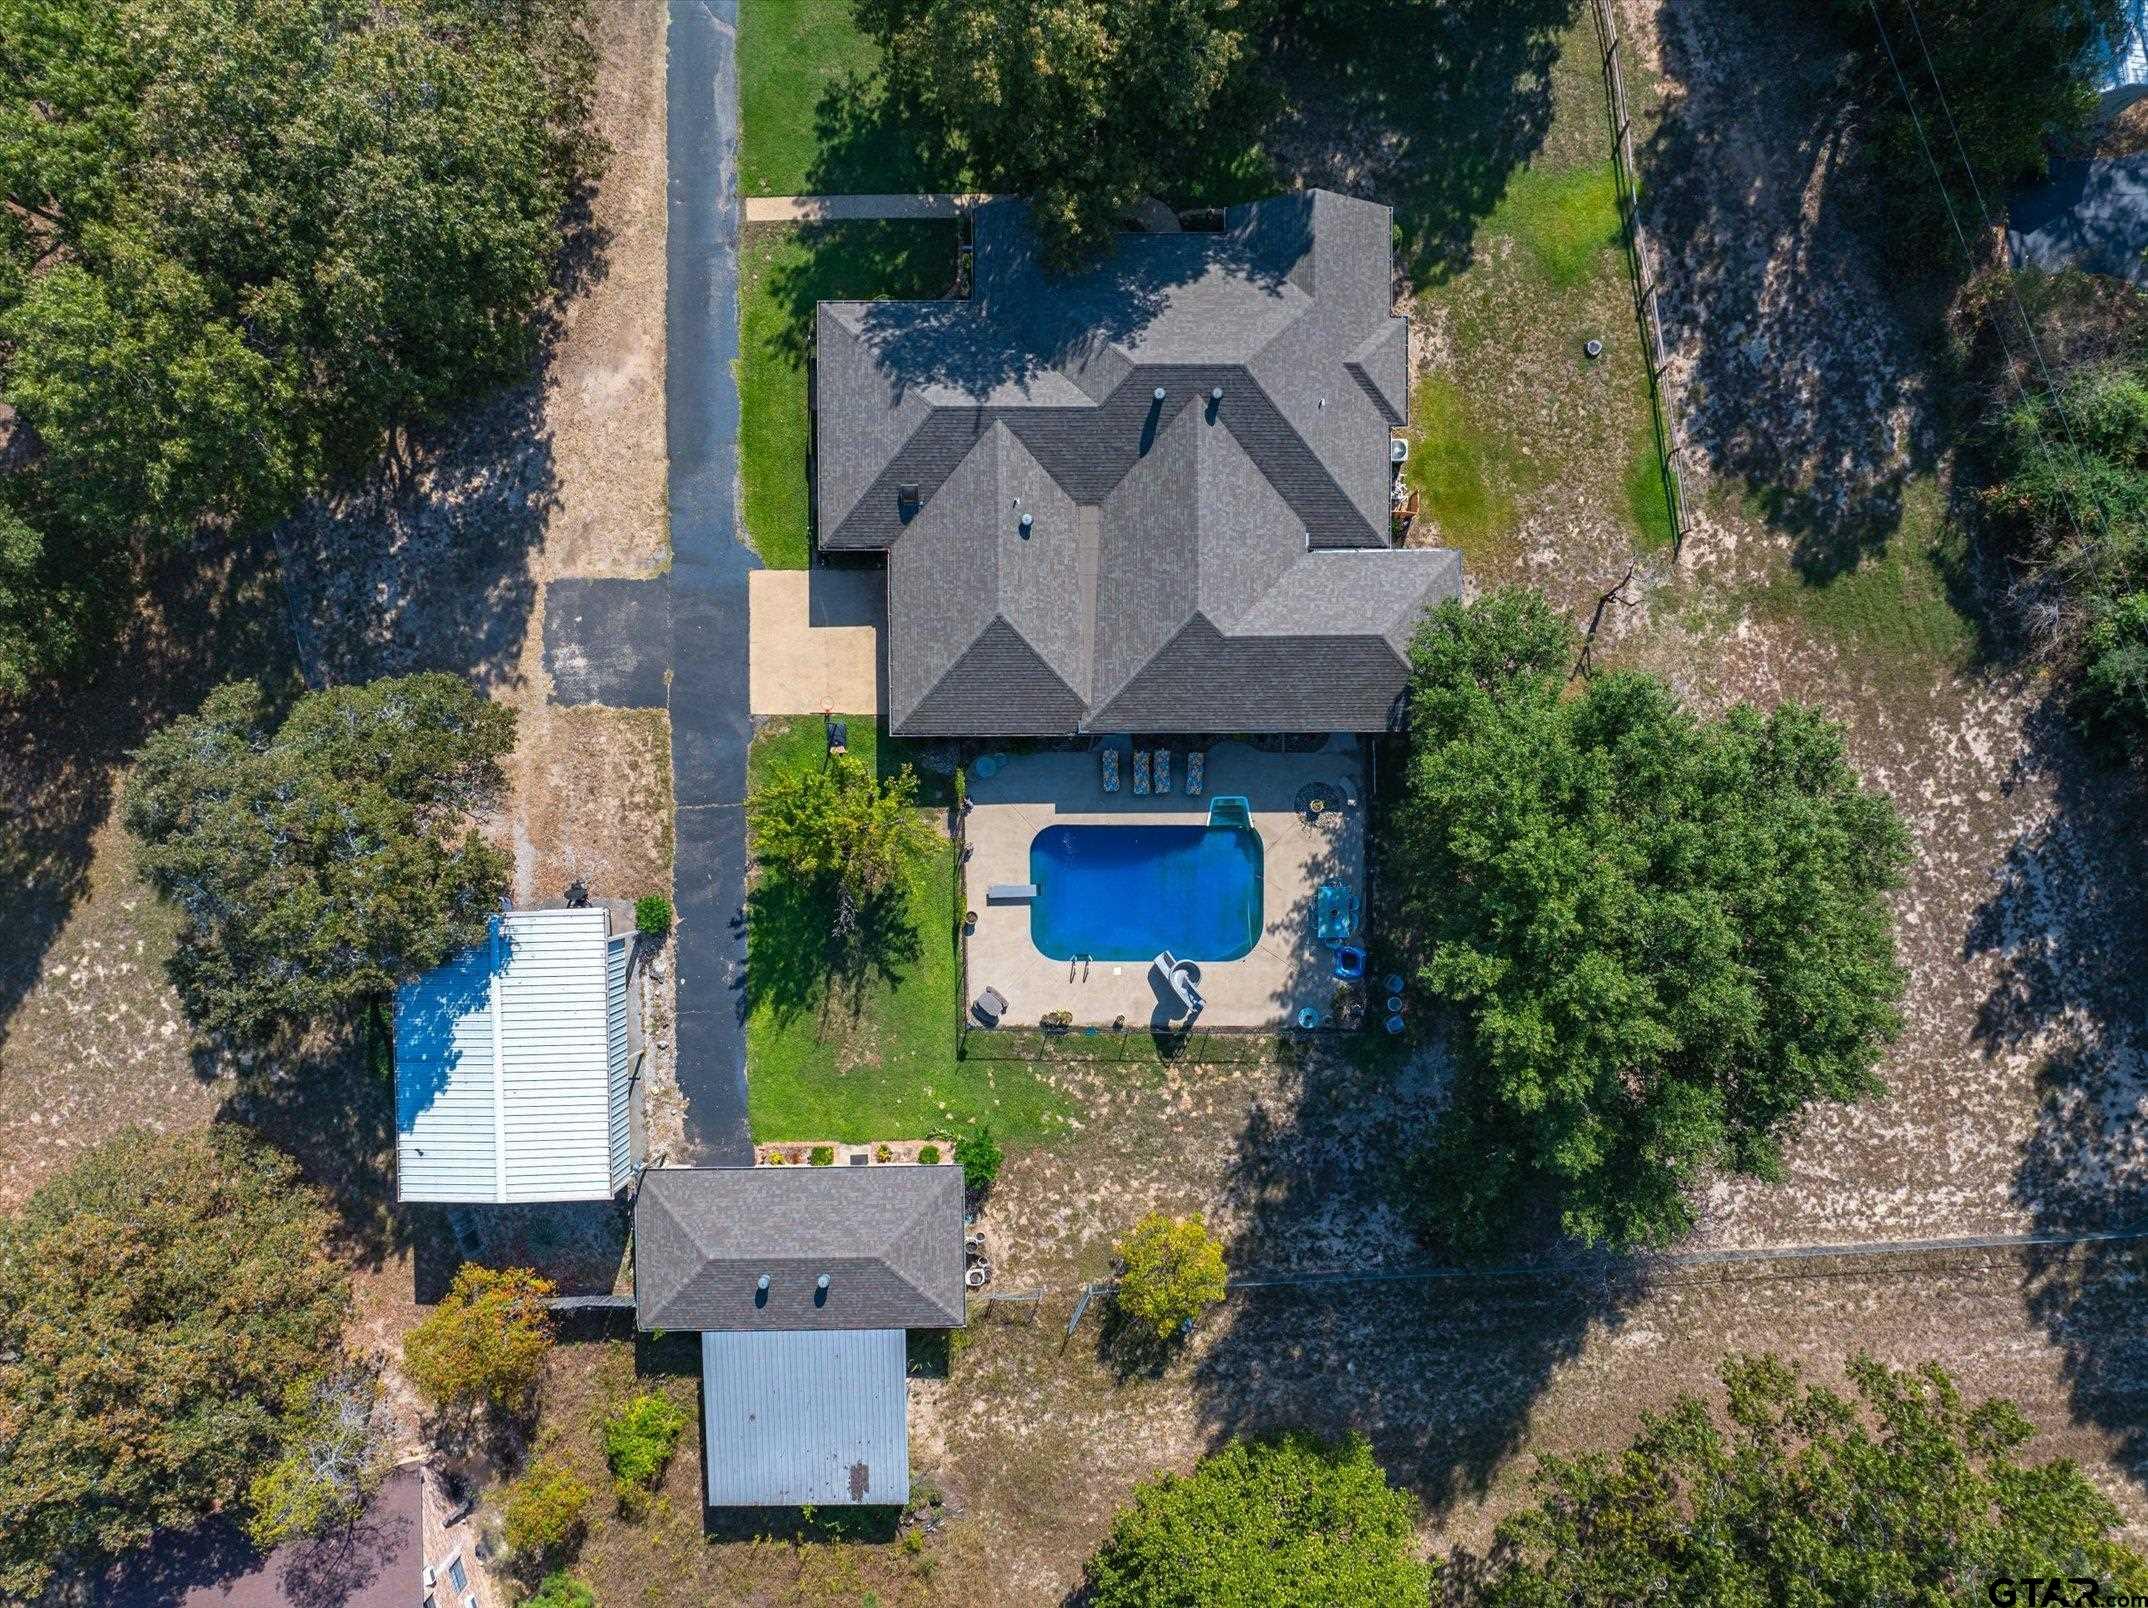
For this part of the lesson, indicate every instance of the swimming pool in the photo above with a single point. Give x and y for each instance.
(1129, 892)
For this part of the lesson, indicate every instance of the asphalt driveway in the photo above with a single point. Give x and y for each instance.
(710, 725)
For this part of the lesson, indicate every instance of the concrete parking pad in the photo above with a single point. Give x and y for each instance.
(816, 641)
(1287, 969)
(845, 208)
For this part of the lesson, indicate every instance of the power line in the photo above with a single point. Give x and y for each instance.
(2028, 327)
(1946, 198)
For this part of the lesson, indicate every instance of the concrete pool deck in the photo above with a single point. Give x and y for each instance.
(1286, 969)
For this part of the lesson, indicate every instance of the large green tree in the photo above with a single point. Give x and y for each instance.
(2071, 488)
(245, 236)
(319, 859)
(1086, 106)
(1285, 1521)
(1993, 82)
(843, 828)
(1665, 935)
(1905, 1495)
(156, 1300)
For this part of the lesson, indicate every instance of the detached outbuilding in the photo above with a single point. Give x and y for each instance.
(513, 1076)
(803, 1283)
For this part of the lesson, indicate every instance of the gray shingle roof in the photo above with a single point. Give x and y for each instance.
(889, 1239)
(1159, 586)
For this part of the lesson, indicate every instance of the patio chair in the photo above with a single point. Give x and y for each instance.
(1141, 773)
(1108, 763)
(1196, 762)
(990, 1007)
(1163, 770)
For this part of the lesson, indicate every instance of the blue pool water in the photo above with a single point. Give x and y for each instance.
(1128, 892)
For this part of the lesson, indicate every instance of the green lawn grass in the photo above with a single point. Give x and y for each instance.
(1564, 220)
(826, 1061)
(1896, 607)
(814, 117)
(784, 270)
(1464, 471)
(1648, 496)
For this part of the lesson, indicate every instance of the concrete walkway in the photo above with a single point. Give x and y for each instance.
(710, 726)
(846, 208)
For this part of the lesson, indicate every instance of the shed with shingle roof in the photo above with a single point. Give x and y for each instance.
(803, 1282)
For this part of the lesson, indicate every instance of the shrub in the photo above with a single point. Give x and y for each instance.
(652, 915)
(883, 1152)
(980, 1156)
(823, 1156)
(928, 1155)
(1057, 1021)
(1174, 1273)
(484, 1344)
(1266, 1523)
(638, 1441)
(156, 1300)
(562, 1590)
(543, 1510)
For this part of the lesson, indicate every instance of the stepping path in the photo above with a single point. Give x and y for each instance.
(710, 725)
(846, 208)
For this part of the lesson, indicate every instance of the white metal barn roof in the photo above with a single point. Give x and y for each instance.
(511, 1066)
(795, 1417)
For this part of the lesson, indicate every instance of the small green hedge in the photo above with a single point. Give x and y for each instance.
(652, 915)
(928, 1155)
(823, 1156)
(638, 1441)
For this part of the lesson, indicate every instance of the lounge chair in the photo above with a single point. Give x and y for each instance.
(1196, 761)
(1163, 770)
(1141, 773)
(990, 1007)
(1178, 978)
(1108, 763)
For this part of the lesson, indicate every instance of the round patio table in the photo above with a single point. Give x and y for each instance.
(1326, 794)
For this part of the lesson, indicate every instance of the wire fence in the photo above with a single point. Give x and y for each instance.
(1199, 1046)
(1640, 262)
(1655, 1269)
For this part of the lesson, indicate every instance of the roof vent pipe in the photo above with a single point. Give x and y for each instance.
(821, 1283)
(762, 1284)
(1216, 395)
(1159, 393)
(1027, 521)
